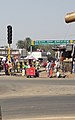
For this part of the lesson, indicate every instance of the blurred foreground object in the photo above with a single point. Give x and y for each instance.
(0, 114)
(70, 17)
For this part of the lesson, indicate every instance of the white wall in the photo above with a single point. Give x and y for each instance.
(36, 54)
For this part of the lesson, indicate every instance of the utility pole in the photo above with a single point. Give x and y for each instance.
(72, 58)
(70, 17)
(31, 47)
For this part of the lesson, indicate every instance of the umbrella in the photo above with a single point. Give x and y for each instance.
(30, 57)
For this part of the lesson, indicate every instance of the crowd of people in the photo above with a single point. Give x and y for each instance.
(53, 66)
(12, 67)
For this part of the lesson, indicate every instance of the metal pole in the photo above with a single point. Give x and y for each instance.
(9, 53)
(0, 114)
(72, 65)
(72, 58)
(9, 58)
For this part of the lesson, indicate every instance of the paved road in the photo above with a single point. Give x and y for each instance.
(45, 99)
(41, 106)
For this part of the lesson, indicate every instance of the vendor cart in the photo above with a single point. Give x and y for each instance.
(30, 72)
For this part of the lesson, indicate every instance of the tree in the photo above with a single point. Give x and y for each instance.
(28, 44)
(34, 47)
(20, 44)
(46, 48)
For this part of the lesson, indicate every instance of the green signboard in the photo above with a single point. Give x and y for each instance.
(51, 42)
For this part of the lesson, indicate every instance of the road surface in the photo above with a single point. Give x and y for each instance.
(40, 99)
(41, 106)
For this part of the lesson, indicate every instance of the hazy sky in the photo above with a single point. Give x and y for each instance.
(37, 19)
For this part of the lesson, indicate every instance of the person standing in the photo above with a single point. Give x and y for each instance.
(37, 66)
(48, 67)
(6, 67)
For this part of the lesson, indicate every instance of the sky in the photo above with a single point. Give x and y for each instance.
(36, 19)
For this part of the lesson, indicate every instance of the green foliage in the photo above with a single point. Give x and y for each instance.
(20, 44)
(46, 48)
(34, 48)
(26, 44)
